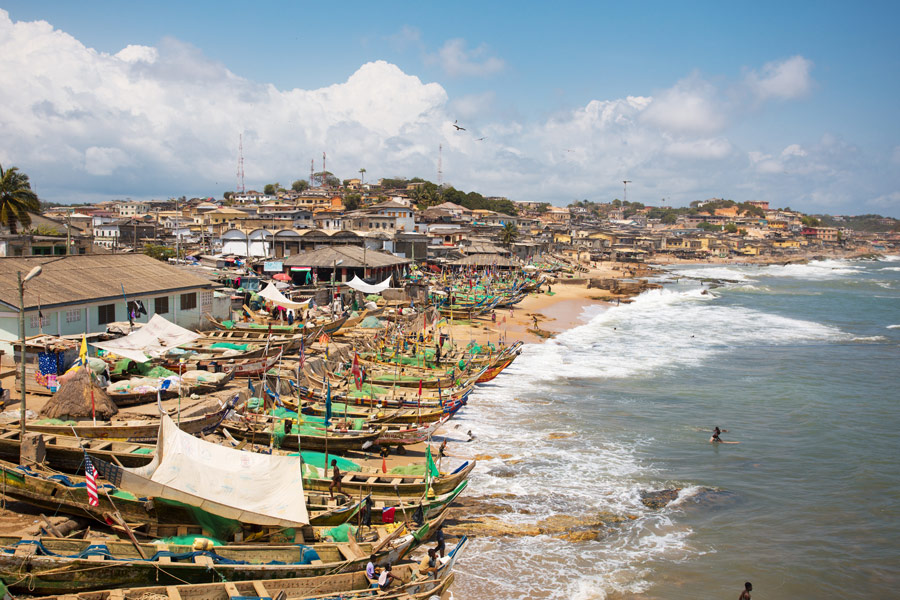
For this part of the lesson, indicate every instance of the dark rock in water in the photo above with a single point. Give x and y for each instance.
(502, 472)
(709, 498)
(660, 498)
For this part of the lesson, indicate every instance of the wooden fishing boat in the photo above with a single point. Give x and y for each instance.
(328, 327)
(61, 565)
(155, 517)
(209, 387)
(385, 484)
(376, 414)
(491, 372)
(339, 583)
(124, 399)
(250, 367)
(344, 390)
(263, 432)
(290, 342)
(144, 431)
(65, 453)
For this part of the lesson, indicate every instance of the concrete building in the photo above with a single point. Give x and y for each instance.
(82, 294)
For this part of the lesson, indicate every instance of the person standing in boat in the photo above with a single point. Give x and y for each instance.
(335, 479)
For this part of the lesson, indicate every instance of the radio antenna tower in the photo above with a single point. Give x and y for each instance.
(240, 168)
(440, 166)
(324, 176)
(312, 172)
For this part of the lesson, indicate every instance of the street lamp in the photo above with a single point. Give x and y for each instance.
(31, 275)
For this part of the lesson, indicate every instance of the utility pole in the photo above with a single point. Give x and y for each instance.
(177, 233)
(68, 231)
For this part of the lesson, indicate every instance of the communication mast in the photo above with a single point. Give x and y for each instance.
(240, 168)
(324, 176)
(312, 172)
(440, 166)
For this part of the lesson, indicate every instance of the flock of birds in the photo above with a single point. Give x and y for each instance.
(461, 128)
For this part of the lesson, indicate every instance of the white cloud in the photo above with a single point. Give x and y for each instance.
(103, 161)
(794, 150)
(691, 106)
(707, 148)
(163, 121)
(134, 53)
(782, 80)
(458, 61)
(889, 201)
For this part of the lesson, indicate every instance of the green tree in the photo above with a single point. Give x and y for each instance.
(730, 228)
(301, 185)
(810, 221)
(159, 252)
(270, 188)
(509, 234)
(362, 176)
(705, 226)
(352, 201)
(17, 199)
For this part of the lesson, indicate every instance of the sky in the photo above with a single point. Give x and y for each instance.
(794, 103)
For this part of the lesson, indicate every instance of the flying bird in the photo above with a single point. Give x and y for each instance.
(481, 139)
(458, 128)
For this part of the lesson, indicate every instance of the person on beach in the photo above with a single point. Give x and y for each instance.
(370, 568)
(428, 566)
(715, 436)
(534, 318)
(386, 578)
(335, 479)
(439, 538)
(748, 587)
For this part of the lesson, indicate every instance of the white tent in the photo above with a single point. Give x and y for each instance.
(271, 293)
(261, 489)
(358, 284)
(155, 338)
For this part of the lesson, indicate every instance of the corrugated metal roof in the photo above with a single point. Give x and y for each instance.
(353, 256)
(88, 278)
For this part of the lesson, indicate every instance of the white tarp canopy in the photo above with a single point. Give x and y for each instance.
(261, 489)
(155, 338)
(271, 293)
(361, 286)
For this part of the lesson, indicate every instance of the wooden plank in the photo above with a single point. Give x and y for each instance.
(204, 560)
(51, 527)
(172, 592)
(232, 589)
(260, 589)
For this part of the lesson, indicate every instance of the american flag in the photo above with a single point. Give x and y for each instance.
(90, 480)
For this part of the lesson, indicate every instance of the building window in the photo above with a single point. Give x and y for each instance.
(42, 322)
(206, 299)
(73, 315)
(189, 301)
(161, 305)
(106, 314)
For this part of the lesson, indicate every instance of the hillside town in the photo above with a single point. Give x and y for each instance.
(396, 217)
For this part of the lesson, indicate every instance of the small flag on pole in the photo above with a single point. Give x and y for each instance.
(90, 480)
(328, 405)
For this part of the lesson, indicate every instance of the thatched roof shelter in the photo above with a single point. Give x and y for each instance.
(73, 400)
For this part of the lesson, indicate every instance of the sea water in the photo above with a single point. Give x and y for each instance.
(799, 363)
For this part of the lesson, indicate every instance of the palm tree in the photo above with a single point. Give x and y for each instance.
(362, 176)
(17, 199)
(510, 233)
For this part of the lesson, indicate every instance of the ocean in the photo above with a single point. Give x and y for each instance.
(799, 363)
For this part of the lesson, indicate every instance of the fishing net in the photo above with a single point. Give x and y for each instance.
(412, 470)
(341, 533)
(230, 346)
(187, 540)
(212, 525)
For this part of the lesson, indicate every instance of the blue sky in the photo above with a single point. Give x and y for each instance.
(788, 103)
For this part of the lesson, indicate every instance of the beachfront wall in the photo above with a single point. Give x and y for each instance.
(93, 317)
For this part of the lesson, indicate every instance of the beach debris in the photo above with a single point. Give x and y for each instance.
(560, 435)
